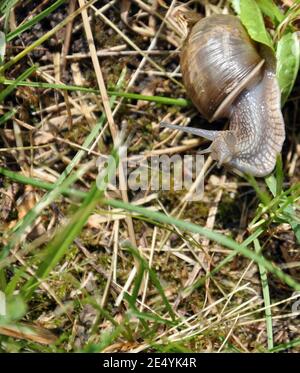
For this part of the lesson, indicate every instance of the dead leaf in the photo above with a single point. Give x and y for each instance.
(42, 137)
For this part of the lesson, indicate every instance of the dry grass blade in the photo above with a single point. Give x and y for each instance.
(107, 109)
(29, 332)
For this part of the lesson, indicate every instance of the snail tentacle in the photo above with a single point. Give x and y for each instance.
(207, 134)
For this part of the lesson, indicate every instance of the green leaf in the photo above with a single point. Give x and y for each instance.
(271, 184)
(296, 228)
(293, 220)
(263, 195)
(252, 19)
(288, 55)
(271, 10)
(15, 309)
(279, 175)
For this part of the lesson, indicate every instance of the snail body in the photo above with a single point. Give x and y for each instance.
(226, 75)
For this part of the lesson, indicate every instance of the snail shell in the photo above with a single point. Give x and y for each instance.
(226, 75)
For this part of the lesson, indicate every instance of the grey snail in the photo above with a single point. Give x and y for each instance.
(227, 75)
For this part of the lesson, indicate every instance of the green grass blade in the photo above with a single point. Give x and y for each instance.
(58, 247)
(201, 281)
(285, 346)
(5, 7)
(94, 133)
(10, 88)
(63, 239)
(263, 196)
(130, 96)
(153, 277)
(40, 184)
(212, 235)
(61, 185)
(29, 218)
(5, 117)
(42, 39)
(158, 99)
(161, 218)
(19, 30)
(279, 175)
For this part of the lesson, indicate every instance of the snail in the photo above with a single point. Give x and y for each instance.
(227, 75)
